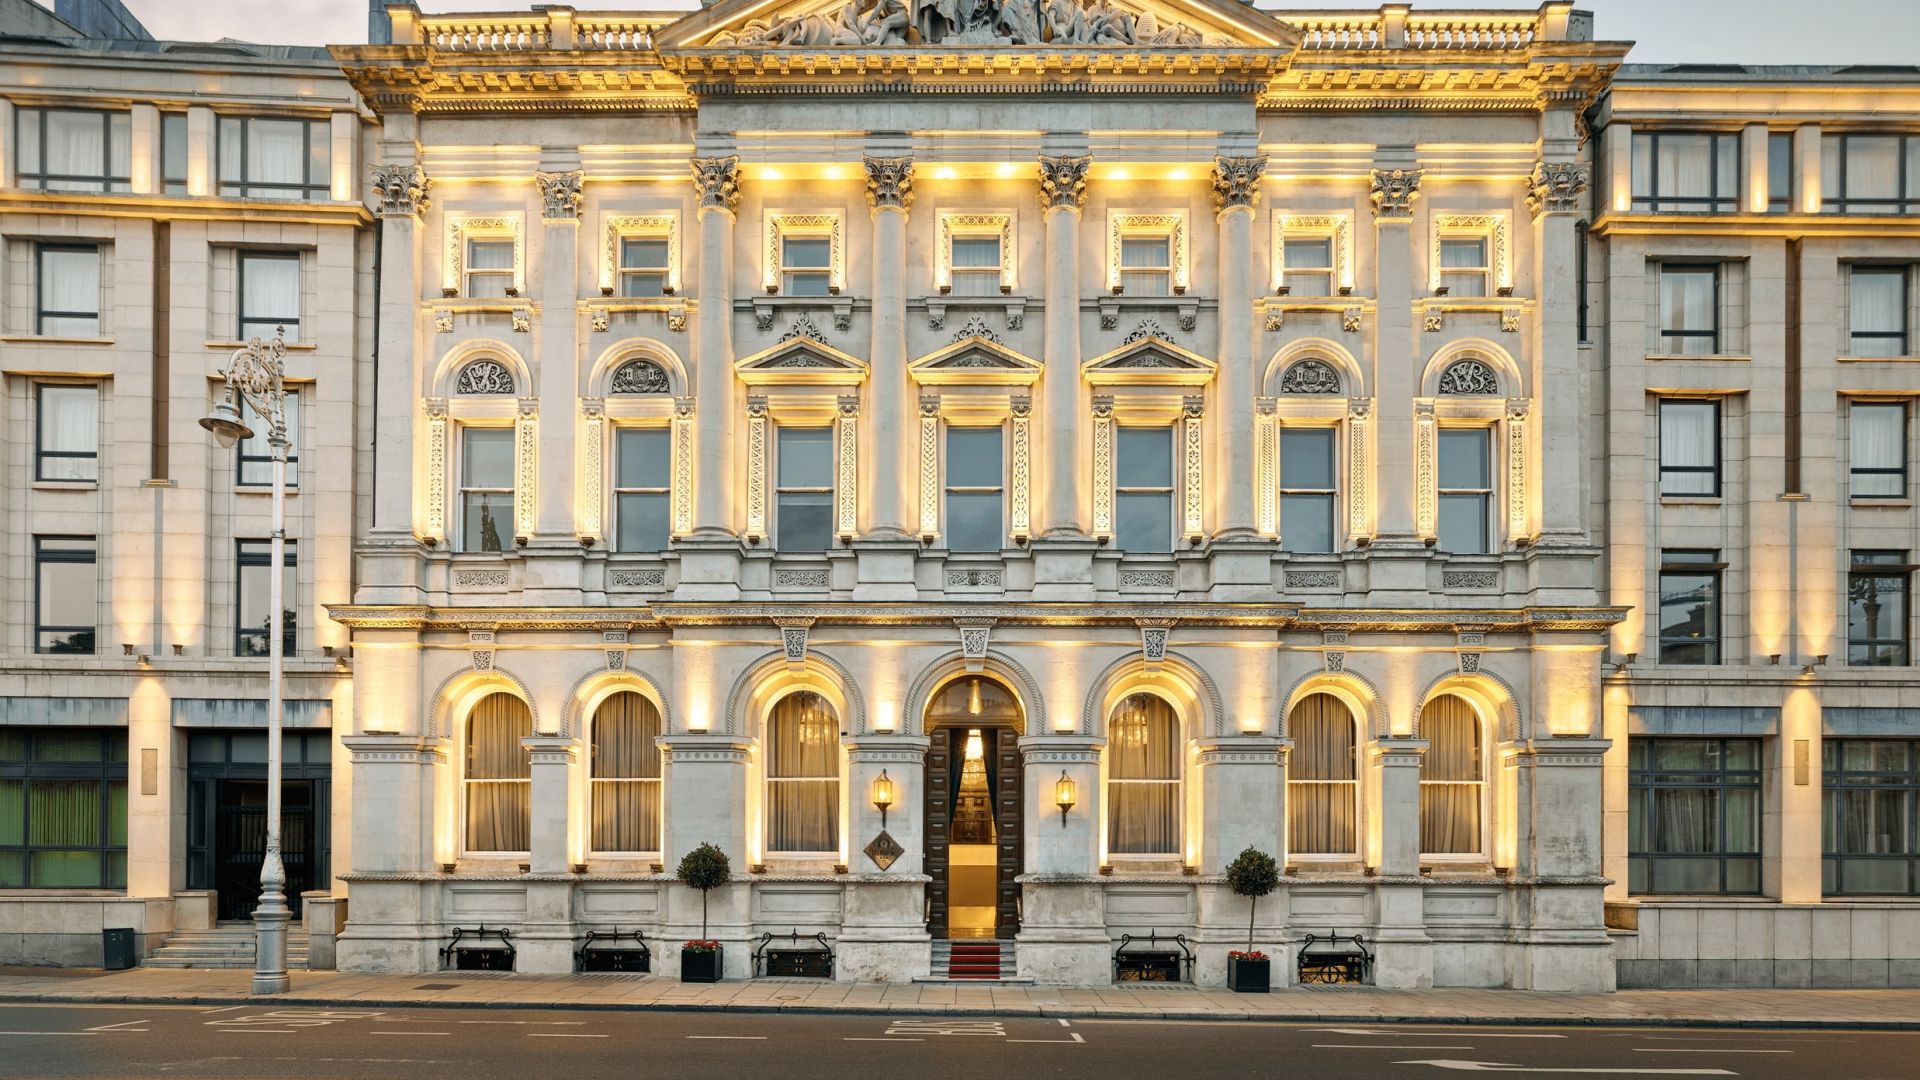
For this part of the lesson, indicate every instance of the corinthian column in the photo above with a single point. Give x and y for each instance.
(895, 448)
(1063, 185)
(1236, 191)
(717, 182)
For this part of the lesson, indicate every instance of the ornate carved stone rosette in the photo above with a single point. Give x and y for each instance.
(1063, 181)
(560, 194)
(1236, 182)
(889, 182)
(1393, 191)
(401, 190)
(1468, 378)
(640, 377)
(717, 182)
(1555, 187)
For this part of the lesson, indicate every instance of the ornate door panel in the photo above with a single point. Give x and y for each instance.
(939, 817)
(1011, 796)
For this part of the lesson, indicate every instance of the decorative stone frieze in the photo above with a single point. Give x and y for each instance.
(1359, 469)
(1555, 187)
(889, 183)
(1393, 191)
(716, 181)
(1063, 181)
(401, 190)
(1236, 182)
(560, 194)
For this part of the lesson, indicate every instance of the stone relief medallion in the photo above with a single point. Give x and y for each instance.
(884, 850)
(1058, 23)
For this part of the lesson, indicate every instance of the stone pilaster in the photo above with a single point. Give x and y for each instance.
(400, 193)
(1404, 953)
(1564, 943)
(556, 374)
(1236, 194)
(883, 929)
(546, 944)
(1556, 193)
(1063, 932)
(394, 805)
(1063, 183)
(1238, 772)
(1395, 188)
(705, 778)
(710, 554)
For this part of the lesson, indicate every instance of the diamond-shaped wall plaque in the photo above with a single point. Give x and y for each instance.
(884, 850)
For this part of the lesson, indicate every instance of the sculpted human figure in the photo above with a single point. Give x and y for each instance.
(887, 22)
(1020, 21)
(1065, 23)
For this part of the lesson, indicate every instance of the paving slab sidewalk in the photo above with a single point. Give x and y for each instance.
(1881, 1009)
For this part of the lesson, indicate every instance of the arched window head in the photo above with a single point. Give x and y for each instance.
(1452, 778)
(499, 775)
(1310, 377)
(1143, 778)
(640, 377)
(1469, 378)
(626, 774)
(803, 775)
(485, 377)
(1322, 781)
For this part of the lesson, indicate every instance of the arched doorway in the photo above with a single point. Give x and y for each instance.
(975, 831)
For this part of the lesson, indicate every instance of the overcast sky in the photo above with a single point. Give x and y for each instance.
(1702, 31)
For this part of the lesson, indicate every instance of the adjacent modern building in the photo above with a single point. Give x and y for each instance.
(981, 468)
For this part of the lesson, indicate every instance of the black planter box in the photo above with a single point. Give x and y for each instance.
(1249, 976)
(701, 967)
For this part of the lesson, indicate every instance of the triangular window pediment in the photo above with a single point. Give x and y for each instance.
(1149, 360)
(975, 359)
(800, 360)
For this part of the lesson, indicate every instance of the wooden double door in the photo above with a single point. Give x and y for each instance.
(950, 821)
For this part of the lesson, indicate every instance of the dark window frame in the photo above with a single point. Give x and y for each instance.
(622, 489)
(1583, 282)
(1489, 530)
(629, 273)
(243, 459)
(1890, 566)
(1643, 781)
(1906, 185)
(40, 451)
(272, 323)
(1171, 489)
(1329, 494)
(109, 769)
(248, 188)
(40, 311)
(1905, 273)
(1697, 563)
(174, 185)
(1835, 782)
(948, 489)
(781, 489)
(1716, 203)
(43, 556)
(1719, 452)
(110, 184)
(1906, 422)
(1668, 334)
(1778, 201)
(250, 643)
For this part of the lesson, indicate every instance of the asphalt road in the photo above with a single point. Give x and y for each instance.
(266, 1043)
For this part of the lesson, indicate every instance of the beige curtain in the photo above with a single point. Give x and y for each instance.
(626, 774)
(1321, 782)
(803, 775)
(1451, 776)
(499, 775)
(1143, 778)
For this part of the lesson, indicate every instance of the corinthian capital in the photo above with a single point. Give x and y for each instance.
(889, 182)
(400, 190)
(1554, 187)
(1063, 181)
(1393, 191)
(560, 194)
(1236, 181)
(717, 181)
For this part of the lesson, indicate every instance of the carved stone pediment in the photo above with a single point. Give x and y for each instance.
(800, 361)
(861, 25)
(976, 360)
(1150, 360)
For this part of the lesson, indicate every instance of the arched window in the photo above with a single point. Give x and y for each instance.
(1143, 778)
(1452, 778)
(803, 775)
(499, 775)
(626, 774)
(1322, 782)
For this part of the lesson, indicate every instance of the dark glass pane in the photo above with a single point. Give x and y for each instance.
(806, 457)
(804, 522)
(1143, 457)
(1463, 524)
(1306, 523)
(1306, 458)
(973, 521)
(1143, 521)
(645, 458)
(644, 522)
(973, 457)
(1465, 458)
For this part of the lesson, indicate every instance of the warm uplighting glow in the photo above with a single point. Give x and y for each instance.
(834, 172)
(976, 746)
(1008, 169)
(770, 173)
(1064, 795)
(1177, 174)
(1119, 174)
(944, 172)
(884, 716)
(973, 697)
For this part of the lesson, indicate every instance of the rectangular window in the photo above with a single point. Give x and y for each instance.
(1690, 448)
(1877, 443)
(644, 269)
(1309, 266)
(1686, 173)
(803, 490)
(1693, 816)
(806, 265)
(486, 488)
(1463, 265)
(253, 603)
(489, 268)
(976, 266)
(173, 153)
(1870, 820)
(1870, 174)
(63, 808)
(67, 291)
(263, 158)
(1143, 488)
(1690, 607)
(1780, 187)
(269, 295)
(255, 467)
(68, 437)
(976, 489)
(1146, 265)
(1877, 613)
(1583, 279)
(1877, 310)
(74, 150)
(1689, 310)
(1306, 488)
(642, 488)
(66, 605)
(1466, 490)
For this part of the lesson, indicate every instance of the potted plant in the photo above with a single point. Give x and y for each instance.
(1252, 874)
(705, 868)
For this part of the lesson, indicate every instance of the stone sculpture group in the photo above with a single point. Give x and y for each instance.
(965, 22)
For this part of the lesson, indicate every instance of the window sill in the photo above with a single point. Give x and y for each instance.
(1902, 359)
(66, 485)
(1857, 501)
(1692, 500)
(1714, 357)
(263, 489)
(292, 346)
(44, 339)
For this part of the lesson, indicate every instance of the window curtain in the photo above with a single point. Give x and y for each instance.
(1686, 166)
(70, 283)
(1143, 778)
(1321, 781)
(1873, 168)
(1144, 264)
(1878, 305)
(499, 775)
(803, 775)
(1468, 254)
(1686, 300)
(1450, 778)
(1687, 434)
(626, 774)
(271, 288)
(1877, 434)
(277, 152)
(70, 423)
(64, 814)
(76, 144)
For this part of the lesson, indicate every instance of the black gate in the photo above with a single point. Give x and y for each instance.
(227, 816)
(240, 843)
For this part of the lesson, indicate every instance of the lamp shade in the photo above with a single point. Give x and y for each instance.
(1064, 793)
(225, 423)
(882, 791)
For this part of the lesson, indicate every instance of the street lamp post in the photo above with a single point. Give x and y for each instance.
(256, 375)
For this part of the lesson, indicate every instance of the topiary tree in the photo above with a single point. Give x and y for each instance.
(1252, 874)
(706, 868)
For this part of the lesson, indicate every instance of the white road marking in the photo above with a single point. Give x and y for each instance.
(52, 1033)
(1444, 1033)
(1496, 1066)
(855, 1038)
(561, 1035)
(1063, 1023)
(1382, 1046)
(540, 1023)
(121, 1026)
(1691, 1050)
(409, 1032)
(761, 1038)
(947, 1027)
(1076, 1039)
(228, 1008)
(259, 1031)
